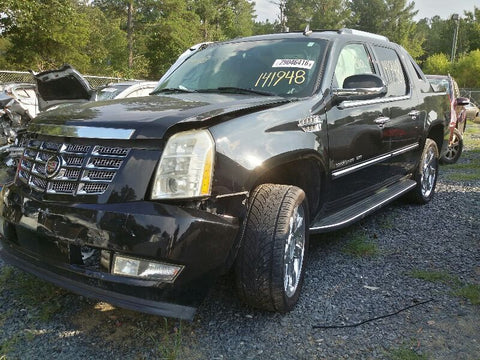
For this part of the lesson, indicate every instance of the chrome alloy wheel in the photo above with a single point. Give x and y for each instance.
(294, 251)
(429, 172)
(453, 148)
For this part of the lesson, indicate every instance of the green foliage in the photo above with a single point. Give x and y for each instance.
(45, 34)
(360, 245)
(435, 276)
(41, 299)
(392, 18)
(405, 353)
(141, 38)
(467, 70)
(320, 14)
(471, 292)
(438, 64)
(468, 291)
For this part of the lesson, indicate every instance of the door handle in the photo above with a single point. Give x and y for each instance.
(414, 114)
(381, 120)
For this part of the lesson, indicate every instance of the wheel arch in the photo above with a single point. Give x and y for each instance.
(437, 134)
(305, 170)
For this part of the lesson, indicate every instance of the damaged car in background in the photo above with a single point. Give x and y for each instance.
(245, 149)
(21, 102)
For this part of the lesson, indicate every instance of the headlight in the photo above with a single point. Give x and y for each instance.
(186, 167)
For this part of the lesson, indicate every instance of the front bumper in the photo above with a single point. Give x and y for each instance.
(49, 238)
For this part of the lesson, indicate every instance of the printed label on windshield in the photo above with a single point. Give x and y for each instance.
(294, 63)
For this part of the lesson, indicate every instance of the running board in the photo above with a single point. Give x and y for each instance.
(363, 208)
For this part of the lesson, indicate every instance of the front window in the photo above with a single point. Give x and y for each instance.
(286, 67)
(353, 60)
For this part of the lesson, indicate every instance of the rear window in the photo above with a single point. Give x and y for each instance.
(393, 71)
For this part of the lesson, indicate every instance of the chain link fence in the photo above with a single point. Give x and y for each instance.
(95, 81)
(472, 94)
(26, 77)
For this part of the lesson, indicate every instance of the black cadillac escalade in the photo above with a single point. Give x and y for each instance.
(241, 152)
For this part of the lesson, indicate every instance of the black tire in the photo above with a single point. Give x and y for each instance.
(454, 150)
(426, 174)
(274, 244)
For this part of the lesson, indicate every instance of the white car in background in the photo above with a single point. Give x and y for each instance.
(125, 89)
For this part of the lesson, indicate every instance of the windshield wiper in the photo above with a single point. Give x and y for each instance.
(237, 90)
(172, 90)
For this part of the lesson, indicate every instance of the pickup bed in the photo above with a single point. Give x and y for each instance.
(242, 151)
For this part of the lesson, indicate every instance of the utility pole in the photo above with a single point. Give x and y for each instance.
(456, 19)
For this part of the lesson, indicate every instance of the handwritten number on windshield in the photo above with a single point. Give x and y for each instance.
(268, 79)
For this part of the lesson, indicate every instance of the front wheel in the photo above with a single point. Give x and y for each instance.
(454, 150)
(426, 174)
(271, 261)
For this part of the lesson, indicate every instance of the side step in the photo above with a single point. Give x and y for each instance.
(363, 208)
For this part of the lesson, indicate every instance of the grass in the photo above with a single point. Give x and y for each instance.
(110, 326)
(468, 167)
(40, 298)
(170, 346)
(360, 245)
(470, 292)
(436, 276)
(467, 291)
(405, 353)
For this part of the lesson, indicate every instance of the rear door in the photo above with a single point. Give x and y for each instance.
(402, 128)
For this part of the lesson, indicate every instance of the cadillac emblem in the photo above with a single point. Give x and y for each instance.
(52, 166)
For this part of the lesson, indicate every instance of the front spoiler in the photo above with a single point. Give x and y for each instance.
(124, 301)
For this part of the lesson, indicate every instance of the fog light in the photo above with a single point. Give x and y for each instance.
(145, 269)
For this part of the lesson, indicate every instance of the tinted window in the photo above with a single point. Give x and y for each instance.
(353, 60)
(393, 72)
(286, 67)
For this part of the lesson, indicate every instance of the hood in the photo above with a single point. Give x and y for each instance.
(60, 86)
(147, 117)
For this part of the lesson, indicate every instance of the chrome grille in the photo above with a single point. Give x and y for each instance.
(103, 162)
(74, 169)
(73, 148)
(98, 175)
(103, 150)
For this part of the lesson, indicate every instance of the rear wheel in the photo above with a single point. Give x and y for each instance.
(454, 150)
(426, 174)
(271, 261)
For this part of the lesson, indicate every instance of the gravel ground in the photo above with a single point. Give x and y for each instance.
(38, 321)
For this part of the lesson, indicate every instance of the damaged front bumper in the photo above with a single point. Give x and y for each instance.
(74, 246)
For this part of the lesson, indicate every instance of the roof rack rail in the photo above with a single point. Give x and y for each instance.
(362, 33)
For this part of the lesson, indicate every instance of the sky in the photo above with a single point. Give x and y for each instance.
(266, 9)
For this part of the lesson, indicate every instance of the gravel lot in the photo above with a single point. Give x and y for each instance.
(440, 240)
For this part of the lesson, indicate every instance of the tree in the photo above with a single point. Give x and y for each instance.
(319, 14)
(438, 64)
(467, 70)
(43, 34)
(171, 34)
(392, 18)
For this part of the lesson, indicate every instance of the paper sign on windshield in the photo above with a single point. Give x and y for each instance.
(294, 63)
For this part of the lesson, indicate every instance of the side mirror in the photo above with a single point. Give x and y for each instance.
(461, 101)
(361, 87)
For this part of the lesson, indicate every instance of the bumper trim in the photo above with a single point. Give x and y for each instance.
(158, 308)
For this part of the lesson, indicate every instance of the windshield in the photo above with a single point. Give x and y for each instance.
(110, 92)
(286, 67)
